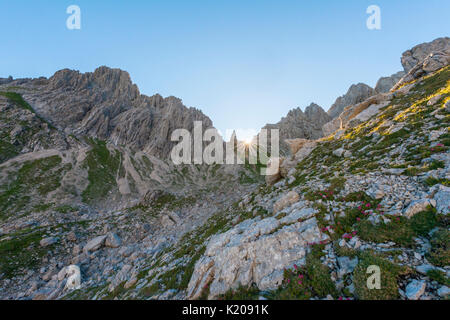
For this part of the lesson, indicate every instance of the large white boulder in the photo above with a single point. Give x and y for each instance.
(74, 277)
(254, 251)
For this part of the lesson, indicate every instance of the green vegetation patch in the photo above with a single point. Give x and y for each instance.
(439, 254)
(439, 276)
(390, 274)
(41, 176)
(7, 150)
(17, 99)
(304, 282)
(102, 167)
(400, 230)
(20, 253)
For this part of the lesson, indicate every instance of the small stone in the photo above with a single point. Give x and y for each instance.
(424, 268)
(76, 250)
(415, 289)
(346, 265)
(95, 244)
(48, 241)
(443, 292)
(112, 240)
(72, 236)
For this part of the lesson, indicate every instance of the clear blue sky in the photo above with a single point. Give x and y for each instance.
(243, 63)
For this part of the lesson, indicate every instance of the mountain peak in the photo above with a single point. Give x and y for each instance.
(356, 93)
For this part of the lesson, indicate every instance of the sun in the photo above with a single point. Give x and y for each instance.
(248, 141)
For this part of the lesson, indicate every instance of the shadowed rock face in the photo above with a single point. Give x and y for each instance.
(417, 54)
(356, 93)
(384, 84)
(107, 105)
(299, 124)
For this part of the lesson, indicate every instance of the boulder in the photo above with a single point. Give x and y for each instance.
(339, 152)
(74, 277)
(433, 62)
(305, 150)
(254, 251)
(295, 144)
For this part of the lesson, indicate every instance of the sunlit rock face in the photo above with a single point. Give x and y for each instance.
(417, 54)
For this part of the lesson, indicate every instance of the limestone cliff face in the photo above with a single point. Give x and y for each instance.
(417, 62)
(417, 54)
(433, 62)
(107, 105)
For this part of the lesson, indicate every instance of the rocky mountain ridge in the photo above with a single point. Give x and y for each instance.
(105, 104)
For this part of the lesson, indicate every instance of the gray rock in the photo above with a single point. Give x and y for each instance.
(424, 268)
(442, 198)
(443, 292)
(417, 54)
(385, 84)
(48, 241)
(239, 256)
(356, 93)
(95, 244)
(72, 236)
(112, 240)
(415, 289)
(433, 62)
(346, 265)
(286, 200)
(418, 206)
(339, 152)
